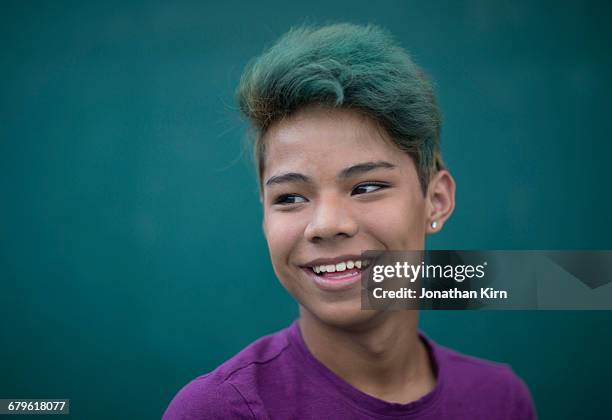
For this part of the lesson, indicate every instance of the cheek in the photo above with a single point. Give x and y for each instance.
(398, 225)
(283, 233)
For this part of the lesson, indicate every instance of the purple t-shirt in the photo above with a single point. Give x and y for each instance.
(277, 377)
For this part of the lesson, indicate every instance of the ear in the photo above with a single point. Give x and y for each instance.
(440, 200)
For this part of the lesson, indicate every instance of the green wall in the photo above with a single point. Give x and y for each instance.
(131, 252)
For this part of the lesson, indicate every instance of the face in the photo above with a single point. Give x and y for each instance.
(334, 186)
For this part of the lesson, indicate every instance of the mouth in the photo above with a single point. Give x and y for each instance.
(335, 274)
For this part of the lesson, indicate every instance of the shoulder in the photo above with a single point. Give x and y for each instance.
(494, 383)
(227, 392)
(207, 398)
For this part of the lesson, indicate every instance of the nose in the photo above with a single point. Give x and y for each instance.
(331, 219)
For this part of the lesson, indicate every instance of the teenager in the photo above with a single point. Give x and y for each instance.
(347, 148)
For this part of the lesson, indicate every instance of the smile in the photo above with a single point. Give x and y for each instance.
(340, 267)
(337, 274)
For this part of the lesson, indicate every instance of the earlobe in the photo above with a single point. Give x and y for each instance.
(434, 227)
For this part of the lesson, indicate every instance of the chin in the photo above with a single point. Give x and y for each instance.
(346, 315)
(340, 310)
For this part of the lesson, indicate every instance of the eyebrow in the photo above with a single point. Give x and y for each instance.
(364, 167)
(346, 173)
(288, 177)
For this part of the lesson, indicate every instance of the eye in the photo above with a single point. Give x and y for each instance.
(289, 199)
(368, 188)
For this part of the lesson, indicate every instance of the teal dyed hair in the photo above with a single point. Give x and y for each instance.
(349, 66)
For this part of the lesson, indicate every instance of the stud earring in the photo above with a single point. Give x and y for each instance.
(434, 224)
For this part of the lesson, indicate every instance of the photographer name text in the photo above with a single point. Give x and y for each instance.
(406, 293)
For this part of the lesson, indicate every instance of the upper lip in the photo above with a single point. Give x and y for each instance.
(334, 260)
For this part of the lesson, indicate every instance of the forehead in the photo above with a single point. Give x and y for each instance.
(320, 141)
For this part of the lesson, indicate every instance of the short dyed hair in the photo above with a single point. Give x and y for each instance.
(349, 66)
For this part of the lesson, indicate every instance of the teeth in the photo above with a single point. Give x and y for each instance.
(342, 266)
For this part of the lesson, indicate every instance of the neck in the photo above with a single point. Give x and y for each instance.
(384, 357)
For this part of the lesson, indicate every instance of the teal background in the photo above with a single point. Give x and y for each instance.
(131, 252)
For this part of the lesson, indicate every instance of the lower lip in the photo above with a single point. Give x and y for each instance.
(334, 284)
